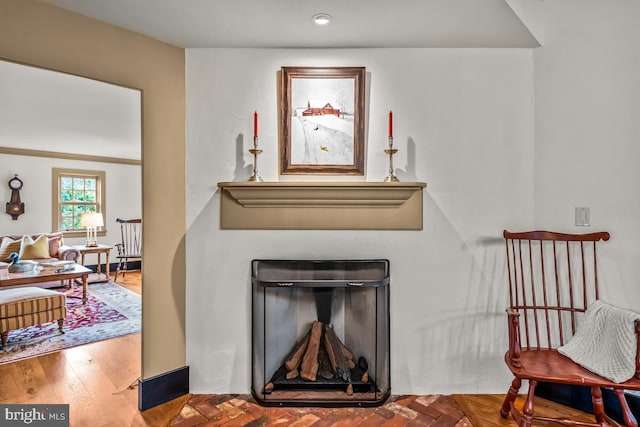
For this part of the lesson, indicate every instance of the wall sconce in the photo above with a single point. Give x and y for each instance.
(15, 207)
(92, 221)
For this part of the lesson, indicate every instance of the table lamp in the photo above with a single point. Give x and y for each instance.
(91, 221)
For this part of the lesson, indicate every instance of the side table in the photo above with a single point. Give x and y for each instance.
(100, 249)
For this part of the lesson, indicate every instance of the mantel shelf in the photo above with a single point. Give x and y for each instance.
(321, 205)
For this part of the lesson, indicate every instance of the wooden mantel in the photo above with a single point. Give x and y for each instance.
(289, 205)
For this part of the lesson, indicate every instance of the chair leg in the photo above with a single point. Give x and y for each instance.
(510, 397)
(60, 323)
(598, 405)
(527, 410)
(627, 415)
(4, 335)
(118, 268)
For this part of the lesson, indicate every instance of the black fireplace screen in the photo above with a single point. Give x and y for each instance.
(320, 332)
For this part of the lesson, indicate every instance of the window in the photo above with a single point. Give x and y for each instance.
(76, 192)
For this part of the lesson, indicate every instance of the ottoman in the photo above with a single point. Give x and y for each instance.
(28, 306)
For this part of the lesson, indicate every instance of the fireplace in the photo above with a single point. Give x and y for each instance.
(320, 332)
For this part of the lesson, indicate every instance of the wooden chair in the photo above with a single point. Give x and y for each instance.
(130, 246)
(553, 277)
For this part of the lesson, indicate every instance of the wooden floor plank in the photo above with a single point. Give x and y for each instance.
(9, 390)
(113, 402)
(65, 381)
(483, 410)
(162, 415)
(33, 381)
(119, 360)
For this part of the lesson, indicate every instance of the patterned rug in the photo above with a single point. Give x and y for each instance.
(111, 311)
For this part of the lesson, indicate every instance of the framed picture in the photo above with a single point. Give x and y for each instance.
(322, 120)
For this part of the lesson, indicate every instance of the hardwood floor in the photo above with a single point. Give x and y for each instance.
(483, 410)
(132, 280)
(99, 382)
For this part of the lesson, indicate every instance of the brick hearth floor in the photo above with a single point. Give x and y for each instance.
(242, 410)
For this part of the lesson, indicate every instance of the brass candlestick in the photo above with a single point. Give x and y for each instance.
(255, 151)
(391, 151)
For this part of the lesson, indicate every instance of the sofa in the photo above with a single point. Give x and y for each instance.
(40, 247)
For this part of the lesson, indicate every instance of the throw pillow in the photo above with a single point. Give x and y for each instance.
(34, 249)
(8, 246)
(55, 241)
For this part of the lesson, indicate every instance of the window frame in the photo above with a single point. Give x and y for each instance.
(56, 202)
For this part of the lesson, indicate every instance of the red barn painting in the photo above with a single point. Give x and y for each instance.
(320, 111)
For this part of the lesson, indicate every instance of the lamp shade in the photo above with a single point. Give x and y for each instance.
(91, 219)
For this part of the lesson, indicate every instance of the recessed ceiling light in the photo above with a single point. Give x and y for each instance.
(321, 18)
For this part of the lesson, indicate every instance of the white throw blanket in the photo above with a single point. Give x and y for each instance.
(605, 342)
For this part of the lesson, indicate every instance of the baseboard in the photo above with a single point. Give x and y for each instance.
(133, 265)
(163, 388)
(579, 397)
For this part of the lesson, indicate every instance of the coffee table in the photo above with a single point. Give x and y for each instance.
(32, 277)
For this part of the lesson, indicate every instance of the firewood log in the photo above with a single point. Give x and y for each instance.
(347, 353)
(295, 355)
(362, 363)
(309, 366)
(324, 365)
(333, 346)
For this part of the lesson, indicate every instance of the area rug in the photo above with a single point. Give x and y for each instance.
(111, 311)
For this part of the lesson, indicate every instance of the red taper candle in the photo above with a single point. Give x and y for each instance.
(390, 124)
(255, 124)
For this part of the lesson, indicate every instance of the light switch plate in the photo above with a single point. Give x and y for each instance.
(583, 216)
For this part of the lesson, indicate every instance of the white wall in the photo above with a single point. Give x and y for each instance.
(123, 185)
(587, 93)
(463, 123)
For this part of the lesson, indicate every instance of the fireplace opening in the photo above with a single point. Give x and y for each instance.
(320, 333)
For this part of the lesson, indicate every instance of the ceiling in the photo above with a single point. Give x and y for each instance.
(287, 23)
(50, 111)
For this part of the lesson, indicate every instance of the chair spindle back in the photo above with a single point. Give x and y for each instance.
(131, 235)
(553, 277)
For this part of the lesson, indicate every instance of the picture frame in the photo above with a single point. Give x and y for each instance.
(322, 120)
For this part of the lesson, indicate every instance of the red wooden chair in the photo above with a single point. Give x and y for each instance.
(553, 277)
